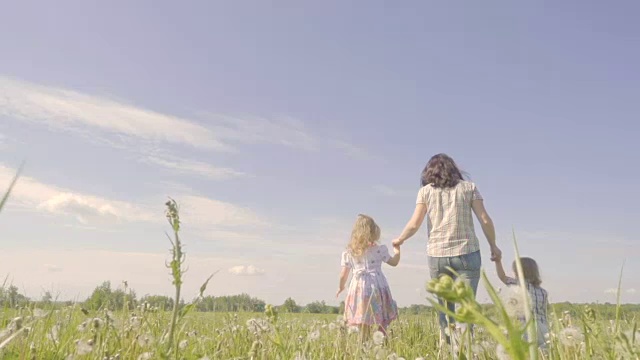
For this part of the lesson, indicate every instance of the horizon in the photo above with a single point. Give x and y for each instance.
(274, 126)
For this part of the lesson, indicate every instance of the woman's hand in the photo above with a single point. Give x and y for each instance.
(496, 253)
(397, 242)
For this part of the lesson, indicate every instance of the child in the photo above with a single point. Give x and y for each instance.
(538, 297)
(369, 300)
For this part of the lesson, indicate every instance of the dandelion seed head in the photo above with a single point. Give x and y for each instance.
(183, 344)
(378, 338)
(145, 340)
(314, 335)
(83, 347)
(571, 336)
(513, 304)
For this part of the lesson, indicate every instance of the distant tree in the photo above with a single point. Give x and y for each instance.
(290, 306)
(103, 297)
(158, 301)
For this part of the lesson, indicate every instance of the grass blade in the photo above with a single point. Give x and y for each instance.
(13, 183)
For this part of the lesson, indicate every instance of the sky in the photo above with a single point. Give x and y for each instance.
(273, 124)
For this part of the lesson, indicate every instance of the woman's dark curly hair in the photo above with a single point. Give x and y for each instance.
(441, 172)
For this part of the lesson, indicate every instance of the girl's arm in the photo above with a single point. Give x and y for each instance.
(500, 270)
(413, 225)
(344, 276)
(395, 259)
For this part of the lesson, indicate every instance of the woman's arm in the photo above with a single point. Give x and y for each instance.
(344, 275)
(395, 259)
(413, 225)
(487, 227)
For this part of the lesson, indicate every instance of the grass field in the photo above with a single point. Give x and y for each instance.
(71, 333)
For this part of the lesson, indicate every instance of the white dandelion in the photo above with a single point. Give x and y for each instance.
(571, 336)
(513, 302)
(353, 330)
(314, 335)
(84, 347)
(39, 313)
(54, 333)
(378, 338)
(145, 340)
(145, 356)
(183, 344)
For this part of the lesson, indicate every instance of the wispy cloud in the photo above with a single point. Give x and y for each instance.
(193, 167)
(70, 110)
(143, 131)
(35, 195)
(248, 270)
(52, 268)
(351, 150)
(615, 291)
(199, 211)
(284, 131)
(204, 215)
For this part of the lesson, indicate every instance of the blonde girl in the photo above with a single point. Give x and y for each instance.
(369, 301)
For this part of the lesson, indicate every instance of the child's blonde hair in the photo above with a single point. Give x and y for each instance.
(365, 231)
(529, 270)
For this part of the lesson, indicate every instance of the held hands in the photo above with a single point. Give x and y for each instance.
(496, 254)
(397, 243)
(396, 249)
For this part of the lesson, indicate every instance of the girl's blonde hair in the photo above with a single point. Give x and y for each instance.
(365, 231)
(529, 270)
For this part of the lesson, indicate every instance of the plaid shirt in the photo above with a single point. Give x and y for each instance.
(449, 219)
(539, 300)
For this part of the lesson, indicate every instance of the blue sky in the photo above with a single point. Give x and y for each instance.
(273, 125)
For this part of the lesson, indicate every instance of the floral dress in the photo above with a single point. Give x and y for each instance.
(369, 300)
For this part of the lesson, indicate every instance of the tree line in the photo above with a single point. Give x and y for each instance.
(104, 296)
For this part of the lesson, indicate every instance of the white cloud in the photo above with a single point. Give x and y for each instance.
(611, 291)
(631, 291)
(143, 131)
(70, 110)
(193, 167)
(351, 150)
(249, 270)
(199, 210)
(284, 131)
(52, 268)
(199, 213)
(35, 195)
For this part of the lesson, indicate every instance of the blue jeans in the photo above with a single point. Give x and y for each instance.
(467, 265)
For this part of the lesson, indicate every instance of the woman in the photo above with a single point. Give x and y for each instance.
(448, 200)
